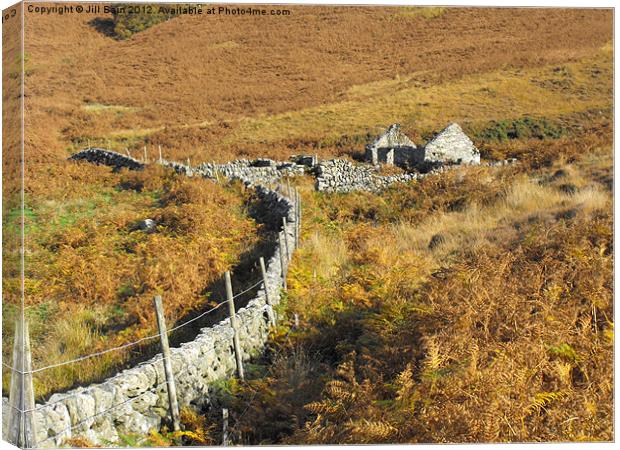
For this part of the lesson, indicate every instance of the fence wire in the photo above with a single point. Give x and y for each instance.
(129, 344)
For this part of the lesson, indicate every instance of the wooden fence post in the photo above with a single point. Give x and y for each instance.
(272, 317)
(15, 414)
(282, 260)
(30, 432)
(298, 211)
(22, 431)
(224, 427)
(284, 230)
(161, 159)
(165, 349)
(233, 324)
(146, 159)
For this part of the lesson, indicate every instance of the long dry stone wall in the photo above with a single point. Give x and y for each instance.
(136, 400)
(336, 175)
(340, 175)
(260, 171)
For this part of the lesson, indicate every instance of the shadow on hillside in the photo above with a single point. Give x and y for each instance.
(244, 275)
(103, 25)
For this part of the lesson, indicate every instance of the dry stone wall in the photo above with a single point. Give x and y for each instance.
(260, 171)
(339, 175)
(105, 157)
(136, 400)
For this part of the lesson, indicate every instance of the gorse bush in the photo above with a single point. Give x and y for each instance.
(524, 128)
(131, 18)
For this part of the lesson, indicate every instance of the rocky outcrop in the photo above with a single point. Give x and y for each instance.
(451, 146)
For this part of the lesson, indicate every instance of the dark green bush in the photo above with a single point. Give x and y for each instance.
(133, 18)
(523, 128)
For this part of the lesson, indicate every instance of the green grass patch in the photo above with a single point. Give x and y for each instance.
(522, 128)
(98, 108)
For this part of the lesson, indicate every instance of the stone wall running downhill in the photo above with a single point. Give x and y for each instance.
(136, 400)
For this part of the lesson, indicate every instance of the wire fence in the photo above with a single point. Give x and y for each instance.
(59, 434)
(164, 358)
(129, 344)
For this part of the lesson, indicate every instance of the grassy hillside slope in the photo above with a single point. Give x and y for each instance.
(399, 342)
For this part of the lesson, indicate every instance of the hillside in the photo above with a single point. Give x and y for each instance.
(207, 90)
(471, 307)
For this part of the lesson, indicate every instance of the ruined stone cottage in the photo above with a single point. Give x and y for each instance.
(451, 146)
(392, 147)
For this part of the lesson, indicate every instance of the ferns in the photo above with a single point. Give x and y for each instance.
(565, 351)
(542, 400)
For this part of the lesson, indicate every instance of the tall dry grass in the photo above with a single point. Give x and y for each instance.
(500, 332)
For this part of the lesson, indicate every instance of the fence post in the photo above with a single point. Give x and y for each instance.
(165, 349)
(161, 159)
(298, 210)
(30, 432)
(224, 427)
(284, 230)
(272, 318)
(282, 260)
(22, 430)
(233, 324)
(146, 159)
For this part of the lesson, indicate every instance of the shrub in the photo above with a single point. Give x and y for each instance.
(523, 128)
(132, 18)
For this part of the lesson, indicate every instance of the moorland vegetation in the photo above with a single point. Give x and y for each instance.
(474, 306)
